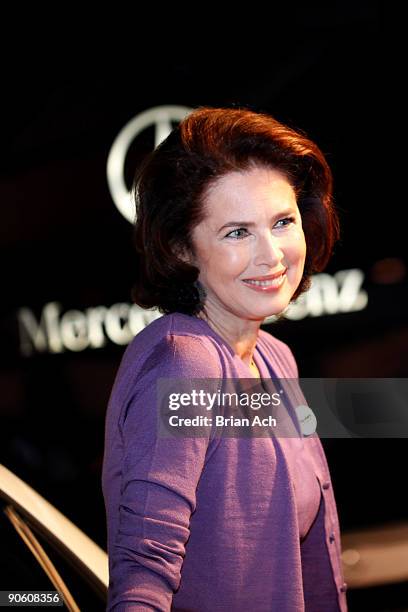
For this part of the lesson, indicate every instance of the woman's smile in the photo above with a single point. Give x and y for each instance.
(266, 285)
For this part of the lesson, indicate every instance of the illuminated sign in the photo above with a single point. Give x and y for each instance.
(161, 117)
(329, 295)
(76, 330)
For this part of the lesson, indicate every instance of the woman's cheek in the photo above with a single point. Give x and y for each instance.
(295, 242)
(231, 252)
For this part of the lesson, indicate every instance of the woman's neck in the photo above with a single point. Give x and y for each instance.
(241, 335)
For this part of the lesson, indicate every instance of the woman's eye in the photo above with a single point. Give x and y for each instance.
(240, 229)
(286, 221)
(235, 233)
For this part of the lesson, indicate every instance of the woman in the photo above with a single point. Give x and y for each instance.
(234, 214)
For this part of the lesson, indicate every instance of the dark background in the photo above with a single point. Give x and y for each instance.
(319, 68)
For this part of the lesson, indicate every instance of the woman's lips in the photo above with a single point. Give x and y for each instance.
(266, 286)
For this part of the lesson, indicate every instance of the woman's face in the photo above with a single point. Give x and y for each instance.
(253, 229)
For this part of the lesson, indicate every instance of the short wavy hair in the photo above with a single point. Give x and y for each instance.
(170, 186)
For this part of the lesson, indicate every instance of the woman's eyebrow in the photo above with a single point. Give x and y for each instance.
(287, 211)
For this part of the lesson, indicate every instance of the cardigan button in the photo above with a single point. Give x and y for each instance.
(326, 485)
(332, 537)
(343, 587)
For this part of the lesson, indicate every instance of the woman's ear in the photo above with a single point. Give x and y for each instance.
(183, 253)
(185, 256)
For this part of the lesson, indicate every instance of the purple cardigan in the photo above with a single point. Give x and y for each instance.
(201, 525)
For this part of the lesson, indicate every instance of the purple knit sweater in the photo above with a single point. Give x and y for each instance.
(206, 525)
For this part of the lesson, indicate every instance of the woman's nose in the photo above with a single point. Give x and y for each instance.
(268, 250)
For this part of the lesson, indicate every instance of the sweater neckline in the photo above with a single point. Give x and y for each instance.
(258, 356)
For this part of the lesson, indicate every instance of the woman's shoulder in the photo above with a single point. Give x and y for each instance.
(280, 354)
(173, 344)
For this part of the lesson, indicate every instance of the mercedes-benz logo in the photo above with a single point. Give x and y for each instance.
(161, 118)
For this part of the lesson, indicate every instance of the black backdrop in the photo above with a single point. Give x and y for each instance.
(320, 69)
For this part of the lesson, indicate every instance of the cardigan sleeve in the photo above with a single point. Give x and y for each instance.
(159, 480)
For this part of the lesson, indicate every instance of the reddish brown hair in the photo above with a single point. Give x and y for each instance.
(170, 186)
